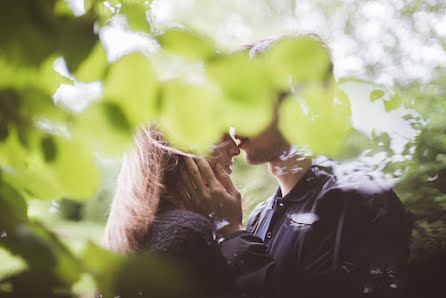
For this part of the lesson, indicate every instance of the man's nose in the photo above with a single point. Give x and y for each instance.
(233, 149)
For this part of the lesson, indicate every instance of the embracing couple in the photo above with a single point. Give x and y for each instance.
(322, 233)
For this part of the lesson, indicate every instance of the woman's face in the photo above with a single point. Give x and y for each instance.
(223, 153)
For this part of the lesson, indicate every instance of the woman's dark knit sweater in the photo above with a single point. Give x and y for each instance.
(190, 238)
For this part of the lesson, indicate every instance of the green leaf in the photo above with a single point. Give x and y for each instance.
(116, 116)
(186, 44)
(248, 92)
(393, 103)
(71, 172)
(43, 252)
(29, 182)
(191, 115)
(49, 148)
(100, 12)
(75, 50)
(104, 128)
(12, 202)
(301, 59)
(102, 264)
(353, 145)
(93, 68)
(10, 265)
(75, 169)
(136, 15)
(131, 84)
(42, 78)
(376, 94)
(316, 120)
(61, 8)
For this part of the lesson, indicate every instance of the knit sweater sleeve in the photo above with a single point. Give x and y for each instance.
(190, 238)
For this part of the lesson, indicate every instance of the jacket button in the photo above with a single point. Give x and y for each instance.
(268, 235)
(280, 204)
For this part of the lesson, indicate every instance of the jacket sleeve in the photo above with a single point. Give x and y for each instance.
(375, 241)
(252, 264)
(384, 252)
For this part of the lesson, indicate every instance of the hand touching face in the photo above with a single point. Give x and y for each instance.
(210, 193)
(204, 186)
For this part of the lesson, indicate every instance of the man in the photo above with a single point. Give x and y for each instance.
(320, 234)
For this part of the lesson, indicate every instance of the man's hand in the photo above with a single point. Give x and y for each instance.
(211, 195)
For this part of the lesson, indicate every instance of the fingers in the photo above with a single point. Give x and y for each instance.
(192, 169)
(224, 178)
(184, 199)
(205, 170)
(186, 181)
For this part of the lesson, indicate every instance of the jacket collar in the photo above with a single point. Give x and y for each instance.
(314, 178)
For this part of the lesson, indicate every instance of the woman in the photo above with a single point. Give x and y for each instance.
(146, 213)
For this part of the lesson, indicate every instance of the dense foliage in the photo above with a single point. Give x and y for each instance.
(48, 150)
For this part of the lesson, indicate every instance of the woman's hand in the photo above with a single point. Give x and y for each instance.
(211, 195)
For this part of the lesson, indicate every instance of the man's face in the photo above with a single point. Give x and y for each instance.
(267, 146)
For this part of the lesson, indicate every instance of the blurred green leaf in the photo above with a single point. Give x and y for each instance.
(40, 33)
(72, 172)
(101, 13)
(192, 115)
(43, 78)
(247, 90)
(10, 265)
(61, 8)
(49, 148)
(187, 44)
(354, 144)
(136, 15)
(376, 94)
(393, 103)
(93, 68)
(297, 60)
(315, 119)
(131, 85)
(55, 266)
(116, 116)
(103, 265)
(75, 169)
(104, 128)
(75, 50)
(11, 202)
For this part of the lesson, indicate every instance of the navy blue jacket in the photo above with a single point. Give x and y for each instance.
(331, 235)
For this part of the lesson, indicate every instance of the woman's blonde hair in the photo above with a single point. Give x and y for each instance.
(139, 186)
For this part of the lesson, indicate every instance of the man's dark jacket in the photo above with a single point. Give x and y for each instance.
(343, 235)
